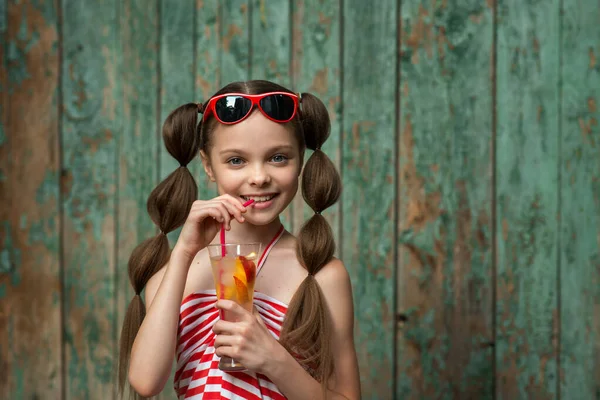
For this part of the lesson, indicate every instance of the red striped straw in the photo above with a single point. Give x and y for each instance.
(223, 250)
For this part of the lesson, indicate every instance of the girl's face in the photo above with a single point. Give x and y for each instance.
(255, 159)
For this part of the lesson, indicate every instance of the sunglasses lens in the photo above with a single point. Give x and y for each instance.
(232, 108)
(280, 107)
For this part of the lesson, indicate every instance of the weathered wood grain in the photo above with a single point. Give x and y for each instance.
(580, 201)
(177, 87)
(444, 297)
(207, 72)
(527, 199)
(271, 41)
(368, 171)
(30, 306)
(90, 131)
(234, 54)
(270, 56)
(316, 69)
(178, 72)
(138, 141)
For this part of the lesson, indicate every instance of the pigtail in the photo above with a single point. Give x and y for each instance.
(307, 328)
(168, 205)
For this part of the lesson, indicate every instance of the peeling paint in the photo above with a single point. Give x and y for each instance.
(3, 140)
(17, 67)
(23, 223)
(6, 264)
(3, 16)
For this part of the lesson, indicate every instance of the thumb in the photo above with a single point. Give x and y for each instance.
(258, 317)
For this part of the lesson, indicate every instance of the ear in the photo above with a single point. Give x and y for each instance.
(207, 166)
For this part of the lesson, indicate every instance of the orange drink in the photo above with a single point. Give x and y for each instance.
(234, 273)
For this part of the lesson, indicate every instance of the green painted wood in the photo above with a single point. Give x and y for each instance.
(271, 41)
(368, 171)
(178, 71)
(138, 141)
(177, 87)
(207, 69)
(91, 129)
(234, 41)
(527, 199)
(29, 197)
(270, 56)
(444, 280)
(316, 69)
(580, 201)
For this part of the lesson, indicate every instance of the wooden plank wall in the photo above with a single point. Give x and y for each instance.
(466, 132)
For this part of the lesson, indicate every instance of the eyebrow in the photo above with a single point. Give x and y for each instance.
(271, 150)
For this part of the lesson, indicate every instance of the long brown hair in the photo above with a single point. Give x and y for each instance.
(307, 326)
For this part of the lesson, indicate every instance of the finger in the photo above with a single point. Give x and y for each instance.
(256, 313)
(236, 201)
(226, 217)
(224, 328)
(233, 210)
(210, 212)
(225, 351)
(237, 312)
(260, 320)
(226, 340)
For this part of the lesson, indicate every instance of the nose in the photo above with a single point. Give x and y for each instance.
(259, 176)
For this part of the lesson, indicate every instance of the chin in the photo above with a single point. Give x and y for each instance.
(264, 217)
(261, 220)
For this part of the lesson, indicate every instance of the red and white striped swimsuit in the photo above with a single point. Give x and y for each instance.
(198, 375)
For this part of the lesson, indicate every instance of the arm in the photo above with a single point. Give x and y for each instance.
(241, 340)
(153, 350)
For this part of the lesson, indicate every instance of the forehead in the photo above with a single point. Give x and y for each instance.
(256, 133)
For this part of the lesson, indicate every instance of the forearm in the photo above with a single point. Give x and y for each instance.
(293, 381)
(154, 346)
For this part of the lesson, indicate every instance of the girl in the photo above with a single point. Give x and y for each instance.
(298, 343)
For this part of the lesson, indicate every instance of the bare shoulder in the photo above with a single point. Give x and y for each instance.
(335, 284)
(333, 274)
(334, 281)
(153, 284)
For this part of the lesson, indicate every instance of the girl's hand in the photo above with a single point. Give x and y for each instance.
(247, 341)
(204, 222)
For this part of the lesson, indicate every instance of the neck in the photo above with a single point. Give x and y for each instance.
(248, 233)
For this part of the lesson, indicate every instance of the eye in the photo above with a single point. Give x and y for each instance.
(235, 161)
(279, 158)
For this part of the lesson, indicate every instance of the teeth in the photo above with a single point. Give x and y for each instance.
(258, 199)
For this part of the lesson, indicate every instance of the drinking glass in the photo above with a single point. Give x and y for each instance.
(234, 273)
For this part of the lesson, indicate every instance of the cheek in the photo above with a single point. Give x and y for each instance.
(226, 180)
(289, 179)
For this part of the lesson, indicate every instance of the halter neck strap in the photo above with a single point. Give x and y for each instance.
(268, 249)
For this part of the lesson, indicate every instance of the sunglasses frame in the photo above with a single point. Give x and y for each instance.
(255, 99)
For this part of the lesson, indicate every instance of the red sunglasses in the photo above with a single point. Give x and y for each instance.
(232, 108)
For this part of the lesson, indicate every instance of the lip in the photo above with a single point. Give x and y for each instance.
(263, 205)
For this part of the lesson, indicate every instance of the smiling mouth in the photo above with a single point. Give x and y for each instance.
(259, 199)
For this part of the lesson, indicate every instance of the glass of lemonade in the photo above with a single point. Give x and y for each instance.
(234, 274)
